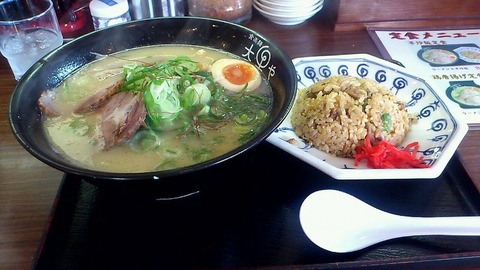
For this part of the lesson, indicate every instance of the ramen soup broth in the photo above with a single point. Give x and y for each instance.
(79, 136)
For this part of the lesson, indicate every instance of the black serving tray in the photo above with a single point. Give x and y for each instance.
(243, 213)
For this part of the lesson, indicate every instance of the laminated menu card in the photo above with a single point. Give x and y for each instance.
(450, 57)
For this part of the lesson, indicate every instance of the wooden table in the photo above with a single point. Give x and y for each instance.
(28, 187)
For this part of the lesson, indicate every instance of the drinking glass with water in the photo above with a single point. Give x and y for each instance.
(28, 30)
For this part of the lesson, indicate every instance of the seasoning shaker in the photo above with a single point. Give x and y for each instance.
(141, 9)
(237, 11)
(107, 13)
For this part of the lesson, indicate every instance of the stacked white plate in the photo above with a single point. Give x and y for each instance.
(288, 12)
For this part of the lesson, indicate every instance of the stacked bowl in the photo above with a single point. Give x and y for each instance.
(288, 12)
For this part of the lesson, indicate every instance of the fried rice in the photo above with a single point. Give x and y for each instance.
(336, 114)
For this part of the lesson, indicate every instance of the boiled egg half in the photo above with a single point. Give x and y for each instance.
(236, 75)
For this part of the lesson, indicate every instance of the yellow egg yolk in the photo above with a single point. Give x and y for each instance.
(239, 73)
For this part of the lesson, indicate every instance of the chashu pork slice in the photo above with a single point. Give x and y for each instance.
(45, 104)
(99, 99)
(123, 115)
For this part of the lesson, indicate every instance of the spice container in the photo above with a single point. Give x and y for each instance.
(107, 13)
(141, 9)
(238, 11)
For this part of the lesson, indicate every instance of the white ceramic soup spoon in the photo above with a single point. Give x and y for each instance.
(339, 222)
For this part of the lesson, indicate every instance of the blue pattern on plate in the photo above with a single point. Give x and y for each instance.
(435, 126)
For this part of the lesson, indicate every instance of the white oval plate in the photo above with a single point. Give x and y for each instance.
(438, 131)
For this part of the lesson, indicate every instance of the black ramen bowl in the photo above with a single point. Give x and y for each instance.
(50, 71)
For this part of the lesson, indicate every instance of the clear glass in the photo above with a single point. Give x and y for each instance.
(238, 11)
(28, 31)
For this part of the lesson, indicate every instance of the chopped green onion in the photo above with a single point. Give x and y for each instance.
(387, 122)
(179, 96)
(196, 94)
(80, 126)
(162, 103)
(144, 140)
